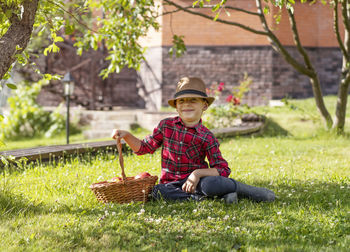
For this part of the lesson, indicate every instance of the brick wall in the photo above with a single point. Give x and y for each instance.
(90, 91)
(314, 22)
(287, 81)
(272, 77)
(221, 64)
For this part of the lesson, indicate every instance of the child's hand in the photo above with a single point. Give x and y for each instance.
(191, 183)
(129, 138)
(119, 133)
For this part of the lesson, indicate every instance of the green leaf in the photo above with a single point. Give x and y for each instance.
(46, 50)
(47, 76)
(4, 160)
(277, 18)
(266, 10)
(58, 39)
(69, 29)
(11, 86)
(215, 8)
(8, 13)
(216, 16)
(55, 48)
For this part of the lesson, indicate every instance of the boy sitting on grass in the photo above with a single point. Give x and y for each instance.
(185, 143)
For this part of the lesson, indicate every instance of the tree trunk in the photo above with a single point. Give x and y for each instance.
(18, 35)
(316, 88)
(340, 112)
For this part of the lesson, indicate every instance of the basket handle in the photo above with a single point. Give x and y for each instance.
(121, 159)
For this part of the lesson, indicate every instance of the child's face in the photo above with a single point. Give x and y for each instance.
(190, 109)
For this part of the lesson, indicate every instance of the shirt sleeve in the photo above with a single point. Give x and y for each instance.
(152, 142)
(215, 158)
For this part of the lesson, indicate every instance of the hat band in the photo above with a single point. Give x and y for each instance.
(190, 91)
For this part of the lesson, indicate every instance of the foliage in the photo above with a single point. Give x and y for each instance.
(114, 25)
(226, 115)
(179, 47)
(28, 119)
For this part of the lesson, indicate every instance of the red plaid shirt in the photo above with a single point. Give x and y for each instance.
(184, 149)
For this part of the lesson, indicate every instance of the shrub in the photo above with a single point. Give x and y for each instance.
(26, 118)
(229, 113)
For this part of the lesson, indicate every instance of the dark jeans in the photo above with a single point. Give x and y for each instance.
(207, 187)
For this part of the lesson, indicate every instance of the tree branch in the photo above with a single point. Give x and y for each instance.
(346, 21)
(277, 45)
(336, 29)
(211, 6)
(298, 43)
(247, 28)
(74, 17)
(345, 14)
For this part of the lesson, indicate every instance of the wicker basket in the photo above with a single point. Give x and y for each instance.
(125, 191)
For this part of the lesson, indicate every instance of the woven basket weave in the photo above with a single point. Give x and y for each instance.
(125, 191)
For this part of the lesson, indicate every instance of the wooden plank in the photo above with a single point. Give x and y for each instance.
(47, 152)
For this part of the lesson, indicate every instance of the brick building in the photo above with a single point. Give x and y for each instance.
(222, 53)
(218, 53)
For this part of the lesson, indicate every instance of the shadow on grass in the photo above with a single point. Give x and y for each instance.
(85, 158)
(306, 216)
(273, 129)
(12, 205)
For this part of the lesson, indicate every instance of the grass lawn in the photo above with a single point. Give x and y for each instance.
(48, 207)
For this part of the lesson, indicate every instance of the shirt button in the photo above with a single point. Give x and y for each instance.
(177, 173)
(178, 158)
(180, 142)
(185, 128)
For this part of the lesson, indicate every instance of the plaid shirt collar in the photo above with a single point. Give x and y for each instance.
(198, 127)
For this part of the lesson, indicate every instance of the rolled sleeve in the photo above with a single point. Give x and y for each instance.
(216, 160)
(152, 142)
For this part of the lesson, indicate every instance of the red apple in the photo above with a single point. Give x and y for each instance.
(142, 175)
(116, 179)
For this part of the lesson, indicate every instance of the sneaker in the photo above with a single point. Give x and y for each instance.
(231, 198)
(257, 194)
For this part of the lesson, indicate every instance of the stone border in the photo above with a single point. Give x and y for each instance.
(243, 129)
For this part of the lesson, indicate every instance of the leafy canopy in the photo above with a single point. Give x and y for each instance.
(117, 25)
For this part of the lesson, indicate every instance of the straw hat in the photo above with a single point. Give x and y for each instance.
(190, 87)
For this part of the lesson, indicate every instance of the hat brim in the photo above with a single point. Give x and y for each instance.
(171, 102)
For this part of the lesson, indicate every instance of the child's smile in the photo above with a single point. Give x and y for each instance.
(190, 110)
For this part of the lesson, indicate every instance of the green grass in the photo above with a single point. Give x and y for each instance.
(49, 207)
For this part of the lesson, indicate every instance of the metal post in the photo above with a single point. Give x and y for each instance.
(68, 82)
(67, 119)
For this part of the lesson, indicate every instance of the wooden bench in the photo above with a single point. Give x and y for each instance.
(45, 153)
